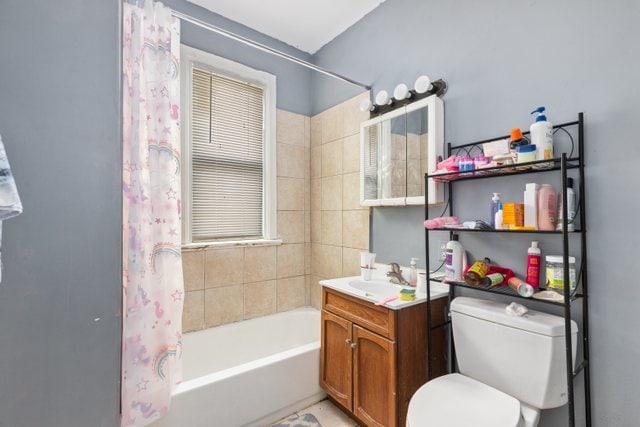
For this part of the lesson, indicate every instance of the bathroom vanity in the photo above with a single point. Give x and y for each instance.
(373, 358)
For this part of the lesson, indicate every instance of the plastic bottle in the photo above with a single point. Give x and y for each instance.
(495, 200)
(546, 208)
(571, 207)
(542, 135)
(533, 265)
(516, 139)
(413, 272)
(498, 218)
(455, 261)
(531, 205)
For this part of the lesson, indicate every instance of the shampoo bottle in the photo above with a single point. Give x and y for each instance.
(542, 135)
(533, 265)
(531, 205)
(571, 207)
(499, 217)
(495, 201)
(546, 208)
(455, 260)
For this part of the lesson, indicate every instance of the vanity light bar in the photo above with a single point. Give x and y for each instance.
(402, 96)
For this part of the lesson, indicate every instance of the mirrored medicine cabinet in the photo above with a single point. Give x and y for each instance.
(397, 149)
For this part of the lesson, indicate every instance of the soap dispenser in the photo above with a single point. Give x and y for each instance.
(542, 135)
(413, 272)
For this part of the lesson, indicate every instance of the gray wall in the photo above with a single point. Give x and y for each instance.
(293, 81)
(61, 288)
(501, 59)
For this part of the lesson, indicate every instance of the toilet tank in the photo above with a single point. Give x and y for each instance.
(521, 356)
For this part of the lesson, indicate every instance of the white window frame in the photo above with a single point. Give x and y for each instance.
(188, 57)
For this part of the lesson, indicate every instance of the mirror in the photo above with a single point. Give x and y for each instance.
(398, 148)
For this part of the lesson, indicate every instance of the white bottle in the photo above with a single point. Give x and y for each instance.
(455, 260)
(531, 205)
(413, 272)
(495, 201)
(499, 217)
(571, 207)
(542, 135)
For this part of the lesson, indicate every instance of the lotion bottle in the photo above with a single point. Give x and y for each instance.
(455, 260)
(533, 265)
(499, 217)
(542, 135)
(495, 201)
(546, 208)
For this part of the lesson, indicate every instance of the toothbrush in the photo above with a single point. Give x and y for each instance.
(386, 300)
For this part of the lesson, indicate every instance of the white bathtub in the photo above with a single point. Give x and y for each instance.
(248, 373)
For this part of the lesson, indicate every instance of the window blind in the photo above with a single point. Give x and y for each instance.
(227, 139)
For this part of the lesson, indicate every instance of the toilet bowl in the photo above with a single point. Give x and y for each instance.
(510, 369)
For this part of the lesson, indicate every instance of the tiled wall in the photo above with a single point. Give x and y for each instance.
(235, 283)
(339, 225)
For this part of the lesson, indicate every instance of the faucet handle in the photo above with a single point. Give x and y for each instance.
(395, 268)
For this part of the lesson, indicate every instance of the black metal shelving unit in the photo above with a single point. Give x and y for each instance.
(561, 164)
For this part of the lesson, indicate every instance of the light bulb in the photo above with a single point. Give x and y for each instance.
(423, 84)
(401, 92)
(366, 105)
(382, 98)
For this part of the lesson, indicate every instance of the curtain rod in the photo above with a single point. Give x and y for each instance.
(264, 48)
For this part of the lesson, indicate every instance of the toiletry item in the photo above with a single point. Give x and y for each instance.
(533, 265)
(441, 222)
(521, 287)
(548, 296)
(422, 283)
(526, 153)
(512, 215)
(367, 259)
(555, 273)
(413, 272)
(542, 135)
(466, 164)
(478, 224)
(502, 159)
(516, 139)
(495, 148)
(455, 261)
(386, 300)
(571, 207)
(407, 294)
(495, 200)
(531, 205)
(498, 218)
(481, 161)
(546, 208)
(491, 280)
(476, 273)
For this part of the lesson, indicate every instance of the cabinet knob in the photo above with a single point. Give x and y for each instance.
(348, 341)
(353, 345)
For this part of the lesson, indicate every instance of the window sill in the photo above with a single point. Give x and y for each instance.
(231, 243)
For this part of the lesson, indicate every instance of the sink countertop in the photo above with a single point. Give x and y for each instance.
(438, 290)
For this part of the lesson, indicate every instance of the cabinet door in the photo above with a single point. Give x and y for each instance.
(336, 358)
(374, 378)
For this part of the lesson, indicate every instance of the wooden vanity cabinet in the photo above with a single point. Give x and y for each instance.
(373, 359)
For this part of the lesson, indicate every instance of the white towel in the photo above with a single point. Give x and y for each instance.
(10, 204)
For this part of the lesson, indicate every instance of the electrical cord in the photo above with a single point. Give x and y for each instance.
(570, 137)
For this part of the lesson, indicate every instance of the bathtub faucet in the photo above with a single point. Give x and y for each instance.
(395, 274)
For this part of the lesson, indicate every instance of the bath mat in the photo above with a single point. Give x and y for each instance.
(303, 420)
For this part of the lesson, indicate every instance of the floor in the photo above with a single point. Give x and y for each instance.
(327, 414)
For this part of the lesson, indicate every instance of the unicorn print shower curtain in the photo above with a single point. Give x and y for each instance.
(152, 268)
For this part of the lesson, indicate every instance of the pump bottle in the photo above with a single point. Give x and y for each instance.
(542, 135)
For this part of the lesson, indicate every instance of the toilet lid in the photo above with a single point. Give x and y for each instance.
(458, 401)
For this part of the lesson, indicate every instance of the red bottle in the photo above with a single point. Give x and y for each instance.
(533, 265)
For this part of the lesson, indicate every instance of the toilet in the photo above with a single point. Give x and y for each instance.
(510, 368)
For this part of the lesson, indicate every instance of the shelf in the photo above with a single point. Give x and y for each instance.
(470, 230)
(506, 291)
(517, 169)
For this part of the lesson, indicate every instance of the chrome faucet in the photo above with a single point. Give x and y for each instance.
(395, 274)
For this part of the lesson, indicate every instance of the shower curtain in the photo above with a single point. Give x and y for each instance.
(152, 268)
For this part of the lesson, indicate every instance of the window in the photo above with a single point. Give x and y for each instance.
(228, 150)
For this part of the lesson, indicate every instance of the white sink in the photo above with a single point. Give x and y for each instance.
(377, 288)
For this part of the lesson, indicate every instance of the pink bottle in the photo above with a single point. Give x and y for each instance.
(546, 208)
